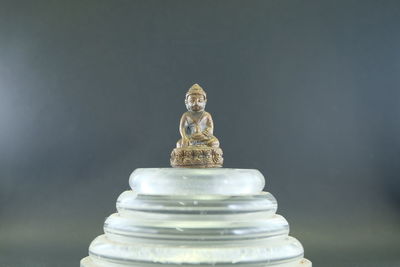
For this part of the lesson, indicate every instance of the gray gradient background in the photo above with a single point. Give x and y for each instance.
(305, 91)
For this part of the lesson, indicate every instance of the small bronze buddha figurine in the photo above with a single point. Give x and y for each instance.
(198, 147)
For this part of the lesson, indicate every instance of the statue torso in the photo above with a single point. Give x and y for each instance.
(196, 122)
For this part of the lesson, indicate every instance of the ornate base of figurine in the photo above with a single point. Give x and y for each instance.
(197, 157)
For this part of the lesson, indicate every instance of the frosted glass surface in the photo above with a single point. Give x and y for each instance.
(186, 181)
(202, 217)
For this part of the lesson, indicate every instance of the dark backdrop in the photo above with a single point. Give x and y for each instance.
(305, 91)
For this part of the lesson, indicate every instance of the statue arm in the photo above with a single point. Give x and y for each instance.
(182, 126)
(210, 126)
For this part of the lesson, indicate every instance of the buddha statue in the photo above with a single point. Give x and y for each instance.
(198, 147)
(196, 126)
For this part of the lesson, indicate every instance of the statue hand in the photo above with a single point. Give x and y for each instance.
(197, 136)
(185, 140)
(207, 134)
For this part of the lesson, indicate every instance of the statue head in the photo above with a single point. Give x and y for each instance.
(196, 98)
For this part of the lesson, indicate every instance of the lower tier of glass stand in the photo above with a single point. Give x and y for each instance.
(88, 262)
(256, 252)
(201, 230)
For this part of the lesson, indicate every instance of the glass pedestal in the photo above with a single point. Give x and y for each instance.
(196, 217)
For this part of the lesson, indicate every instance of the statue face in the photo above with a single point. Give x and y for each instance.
(195, 103)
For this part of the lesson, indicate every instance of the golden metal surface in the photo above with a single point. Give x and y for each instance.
(198, 147)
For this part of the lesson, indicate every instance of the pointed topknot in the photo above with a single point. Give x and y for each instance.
(196, 90)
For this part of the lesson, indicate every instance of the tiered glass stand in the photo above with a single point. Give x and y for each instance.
(196, 217)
